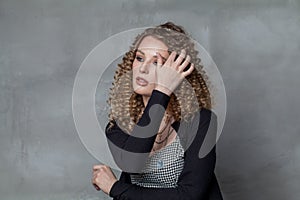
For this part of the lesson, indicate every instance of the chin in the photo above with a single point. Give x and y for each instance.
(144, 91)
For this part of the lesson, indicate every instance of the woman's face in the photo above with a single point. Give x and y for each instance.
(144, 64)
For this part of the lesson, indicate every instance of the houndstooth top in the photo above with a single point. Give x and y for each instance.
(162, 168)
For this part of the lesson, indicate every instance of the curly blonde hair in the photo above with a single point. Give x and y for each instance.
(189, 97)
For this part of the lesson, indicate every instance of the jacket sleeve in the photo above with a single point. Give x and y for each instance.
(195, 179)
(129, 156)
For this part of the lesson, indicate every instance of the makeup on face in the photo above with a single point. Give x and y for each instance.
(144, 64)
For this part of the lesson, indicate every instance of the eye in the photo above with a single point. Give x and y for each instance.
(139, 58)
(155, 62)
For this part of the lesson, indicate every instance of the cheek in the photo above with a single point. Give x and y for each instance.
(152, 74)
(135, 63)
(135, 66)
(135, 70)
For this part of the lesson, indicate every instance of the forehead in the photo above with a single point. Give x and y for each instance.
(151, 43)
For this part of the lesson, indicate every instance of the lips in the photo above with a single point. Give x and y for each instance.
(141, 82)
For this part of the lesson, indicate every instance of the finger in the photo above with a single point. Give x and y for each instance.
(96, 186)
(189, 71)
(96, 167)
(170, 59)
(185, 63)
(159, 59)
(95, 173)
(94, 178)
(180, 58)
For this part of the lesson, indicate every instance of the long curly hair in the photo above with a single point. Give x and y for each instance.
(189, 97)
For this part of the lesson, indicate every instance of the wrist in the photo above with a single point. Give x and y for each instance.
(163, 90)
(111, 190)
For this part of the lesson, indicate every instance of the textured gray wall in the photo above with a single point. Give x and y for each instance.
(255, 44)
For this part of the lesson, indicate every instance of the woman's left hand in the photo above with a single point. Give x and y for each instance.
(103, 178)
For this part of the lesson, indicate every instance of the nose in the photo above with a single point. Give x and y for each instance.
(144, 68)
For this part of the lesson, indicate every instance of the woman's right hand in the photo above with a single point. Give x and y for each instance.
(170, 74)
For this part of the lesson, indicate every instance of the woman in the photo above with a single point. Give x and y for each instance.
(160, 115)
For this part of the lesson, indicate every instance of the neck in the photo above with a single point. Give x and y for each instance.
(145, 100)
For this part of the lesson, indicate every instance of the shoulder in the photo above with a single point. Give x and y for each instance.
(207, 114)
(202, 119)
(200, 131)
(206, 122)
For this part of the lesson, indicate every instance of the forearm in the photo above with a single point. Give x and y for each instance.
(130, 151)
(193, 184)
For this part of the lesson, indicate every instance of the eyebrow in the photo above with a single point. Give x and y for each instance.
(164, 59)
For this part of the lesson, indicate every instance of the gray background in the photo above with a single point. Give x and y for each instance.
(255, 44)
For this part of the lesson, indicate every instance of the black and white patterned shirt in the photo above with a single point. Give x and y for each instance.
(163, 168)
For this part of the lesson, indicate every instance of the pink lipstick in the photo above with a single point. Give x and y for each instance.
(141, 82)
